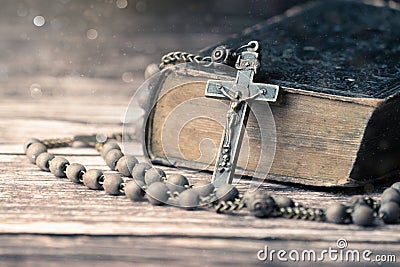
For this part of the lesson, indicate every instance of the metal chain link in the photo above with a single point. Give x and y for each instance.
(90, 140)
(297, 211)
(181, 57)
(259, 204)
(303, 213)
(221, 54)
(222, 206)
(57, 142)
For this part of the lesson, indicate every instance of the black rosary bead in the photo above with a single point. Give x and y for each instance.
(227, 192)
(390, 194)
(112, 183)
(43, 161)
(112, 157)
(157, 193)
(107, 147)
(34, 150)
(126, 164)
(154, 175)
(363, 215)
(58, 166)
(75, 172)
(140, 170)
(260, 204)
(204, 188)
(93, 179)
(338, 213)
(177, 183)
(30, 142)
(189, 199)
(389, 212)
(134, 190)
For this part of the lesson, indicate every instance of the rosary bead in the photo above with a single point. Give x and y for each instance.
(227, 192)
(112, 157)
(58, 166)
(189, 199)
(157, 193)
(154, 175)
(107, 147)
(337, 213)
(204, 188)
(112, 183)
(396, 186)
(363, 215)
(389, 212)
(283, 201)
(177, 183)
(30, 142)
(43, 161)
(34, 150)
(390, 194)
(93, 178)
(75, 172)
(134, 190)
(260, 204)
(140, 170)
(126, 164)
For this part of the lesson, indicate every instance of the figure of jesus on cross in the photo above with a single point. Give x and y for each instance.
(240, 92)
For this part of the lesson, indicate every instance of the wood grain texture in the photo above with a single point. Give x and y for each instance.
(318, 137)
(152, 251)
(51, 221)
(46, 221)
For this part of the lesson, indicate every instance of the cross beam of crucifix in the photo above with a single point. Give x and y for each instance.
(239, 92)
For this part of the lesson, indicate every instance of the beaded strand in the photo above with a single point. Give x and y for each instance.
(143, 181)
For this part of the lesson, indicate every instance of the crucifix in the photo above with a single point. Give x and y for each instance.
(239, 92)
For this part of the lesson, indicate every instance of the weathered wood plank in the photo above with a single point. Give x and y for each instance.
(45, 221)
(326, 132)
(29, 250)
(81, 110)
(36, 202)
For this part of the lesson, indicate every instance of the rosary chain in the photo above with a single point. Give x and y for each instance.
(223, 206)
(57, 142)
(363, 211)
(181, 57)
(360, 210)
(87, 139)
(221, 54)
(303, 213)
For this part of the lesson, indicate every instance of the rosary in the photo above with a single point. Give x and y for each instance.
(141, 181)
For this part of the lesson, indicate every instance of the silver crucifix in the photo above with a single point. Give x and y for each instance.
(239, 92)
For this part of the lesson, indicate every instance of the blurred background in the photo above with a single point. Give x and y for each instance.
(100, 48)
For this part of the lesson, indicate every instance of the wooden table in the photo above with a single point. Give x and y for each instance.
(46, 221)
(49, 221)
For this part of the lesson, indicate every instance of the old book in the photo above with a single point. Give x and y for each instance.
(338, 118)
